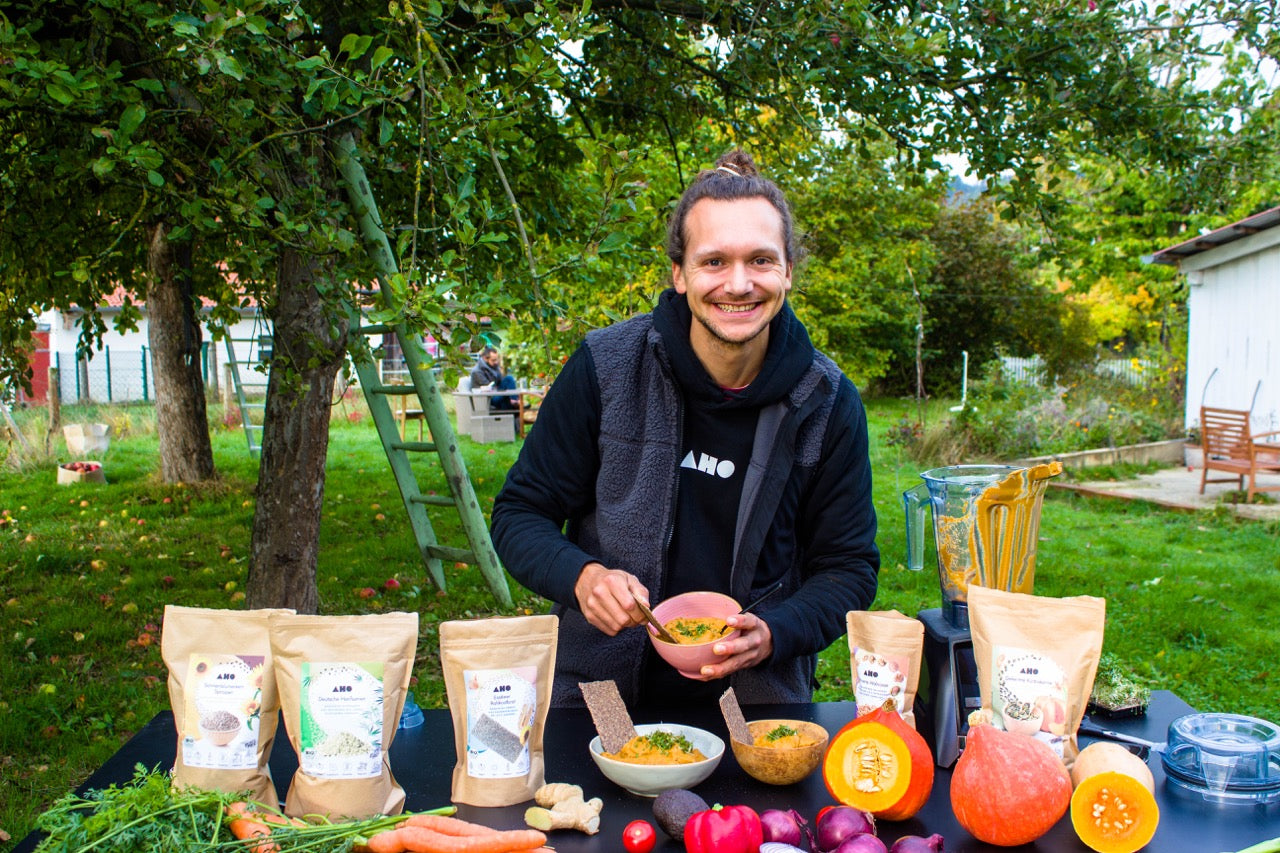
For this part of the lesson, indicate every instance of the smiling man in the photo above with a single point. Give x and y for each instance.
(704, 446)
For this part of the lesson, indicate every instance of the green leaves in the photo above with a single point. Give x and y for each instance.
(130, 119)
(230, 66)
(355, 46)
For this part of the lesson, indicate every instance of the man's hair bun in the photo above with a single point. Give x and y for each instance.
(737, 162)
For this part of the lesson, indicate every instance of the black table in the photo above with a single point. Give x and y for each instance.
(422, 760)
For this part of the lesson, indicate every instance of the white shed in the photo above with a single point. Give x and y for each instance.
(1233, 306)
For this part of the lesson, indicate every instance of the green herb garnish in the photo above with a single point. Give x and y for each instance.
(692, 629)
(780, 732)
(666, 741)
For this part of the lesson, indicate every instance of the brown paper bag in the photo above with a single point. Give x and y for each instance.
(1036, 660)
(498, 674)
(222, 689)
(343, 681)
(885, 650)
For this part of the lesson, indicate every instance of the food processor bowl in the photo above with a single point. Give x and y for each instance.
(1227, 758)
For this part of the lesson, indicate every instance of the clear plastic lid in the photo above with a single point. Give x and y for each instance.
(1225, 757)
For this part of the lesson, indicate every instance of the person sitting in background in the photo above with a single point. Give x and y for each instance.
(488, 374)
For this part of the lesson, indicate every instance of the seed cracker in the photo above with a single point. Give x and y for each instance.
(609, 713)
(494, 735)
(738, 729)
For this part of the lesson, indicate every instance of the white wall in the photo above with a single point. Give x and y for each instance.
(1234, 327)
(124, 352)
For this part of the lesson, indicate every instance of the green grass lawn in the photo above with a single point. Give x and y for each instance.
(85, 572)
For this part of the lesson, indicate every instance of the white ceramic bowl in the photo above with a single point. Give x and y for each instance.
(650, 780)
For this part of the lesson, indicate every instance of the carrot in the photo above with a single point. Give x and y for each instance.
(388, 841)
(247, 829)
(278, 819)
(239, 808)
(419, 840)
(447, 825)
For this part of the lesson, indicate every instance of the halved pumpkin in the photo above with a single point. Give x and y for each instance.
(880, 764)
(1113, 807)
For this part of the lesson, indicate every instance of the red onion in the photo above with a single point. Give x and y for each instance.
(779, 847)
(840, 823)
(806, 834)
(916, 844)
(777, 825)
(861, 844)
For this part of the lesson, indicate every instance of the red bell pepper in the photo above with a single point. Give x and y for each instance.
(724, 829)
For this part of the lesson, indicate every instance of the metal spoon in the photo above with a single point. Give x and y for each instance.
(768, 592)
(663, 633)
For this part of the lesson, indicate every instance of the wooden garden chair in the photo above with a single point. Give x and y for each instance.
(1229, 445)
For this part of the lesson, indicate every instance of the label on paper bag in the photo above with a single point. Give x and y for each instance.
(221, 715)
(879, 678)
(1030, 695)
(500, 709)
(340, 736)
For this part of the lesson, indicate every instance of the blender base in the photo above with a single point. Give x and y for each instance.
(948, 686)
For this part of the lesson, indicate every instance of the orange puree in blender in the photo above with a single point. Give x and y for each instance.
(995, 544)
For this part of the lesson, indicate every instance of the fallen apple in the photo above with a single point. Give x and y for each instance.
(391, 583)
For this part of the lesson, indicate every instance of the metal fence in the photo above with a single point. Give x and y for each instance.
(128, 376)
(1024, 371)
(106, 376)
(1034, 371)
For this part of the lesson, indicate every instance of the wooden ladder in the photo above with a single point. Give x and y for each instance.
(252, 425)
(444, 442)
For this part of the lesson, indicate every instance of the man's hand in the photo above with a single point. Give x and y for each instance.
(605, 597)
(753, 645)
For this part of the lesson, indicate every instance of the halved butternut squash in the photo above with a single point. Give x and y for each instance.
(1113, 807)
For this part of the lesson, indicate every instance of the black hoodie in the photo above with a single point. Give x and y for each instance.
(603, 464)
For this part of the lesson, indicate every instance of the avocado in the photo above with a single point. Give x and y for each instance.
(672, 810)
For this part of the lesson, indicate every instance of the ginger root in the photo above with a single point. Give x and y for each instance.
(555, 792)
(561, 806)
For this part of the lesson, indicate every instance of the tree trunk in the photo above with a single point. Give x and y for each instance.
(173, 332)
(308, 349)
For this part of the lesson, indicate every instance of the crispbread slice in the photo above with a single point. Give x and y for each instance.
(733, 718)
(489, 732)
(609, 713)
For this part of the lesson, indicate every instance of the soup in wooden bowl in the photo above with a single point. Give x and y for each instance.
(783, 751)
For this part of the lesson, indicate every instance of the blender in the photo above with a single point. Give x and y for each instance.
(986, 521)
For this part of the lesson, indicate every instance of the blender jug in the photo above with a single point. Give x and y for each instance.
(986, 519)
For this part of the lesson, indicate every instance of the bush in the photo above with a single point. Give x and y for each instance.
(1009, 420)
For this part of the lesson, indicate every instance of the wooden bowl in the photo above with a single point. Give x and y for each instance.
(781, 765)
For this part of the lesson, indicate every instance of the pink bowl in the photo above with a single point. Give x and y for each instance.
(689, 660)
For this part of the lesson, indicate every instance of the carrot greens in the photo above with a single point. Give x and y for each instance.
(145, 814)
(149, 814)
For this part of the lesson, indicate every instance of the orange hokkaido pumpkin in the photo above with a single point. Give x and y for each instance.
(1113, 808)
(1007, 788)
(880, 764)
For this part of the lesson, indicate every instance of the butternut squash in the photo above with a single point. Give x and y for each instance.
(1113, 807)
